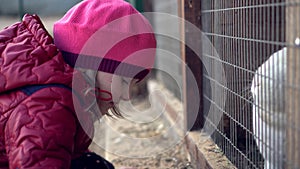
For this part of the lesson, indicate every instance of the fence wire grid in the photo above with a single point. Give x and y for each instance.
(259, 50)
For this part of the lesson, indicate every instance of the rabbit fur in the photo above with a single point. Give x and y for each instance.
(269, 119)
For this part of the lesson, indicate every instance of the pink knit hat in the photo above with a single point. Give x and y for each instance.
(106, 35)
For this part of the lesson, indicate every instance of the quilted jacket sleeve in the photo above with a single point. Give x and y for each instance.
(40, 132)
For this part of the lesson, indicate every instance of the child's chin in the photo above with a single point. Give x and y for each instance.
(103, 110)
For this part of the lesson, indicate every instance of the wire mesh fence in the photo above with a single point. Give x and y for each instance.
(257, 43)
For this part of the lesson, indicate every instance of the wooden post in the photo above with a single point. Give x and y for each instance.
(148, 6)
(190, 11)
(182, 54)
(293, 86)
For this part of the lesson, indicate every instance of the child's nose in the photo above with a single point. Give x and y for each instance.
(126, 94)
(125, 91)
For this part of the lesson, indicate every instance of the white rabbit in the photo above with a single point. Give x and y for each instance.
(269, 119)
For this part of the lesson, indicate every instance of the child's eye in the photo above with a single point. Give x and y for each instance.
(125, 82)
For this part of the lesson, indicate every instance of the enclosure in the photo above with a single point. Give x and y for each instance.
(245, 62)
(224, 92)
(257, 43)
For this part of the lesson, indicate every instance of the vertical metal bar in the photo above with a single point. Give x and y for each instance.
(254, 34)
(242, 112)
(230, 109)
(220, 48)
(21, 9)
(262, 92)
(270, 28)
(224, 26)
(237, 60)
(236, 84)
(281, 38)
(247, 63)
(241, 115)
(259, 32)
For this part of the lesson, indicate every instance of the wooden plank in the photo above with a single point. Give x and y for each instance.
(293, 93)
(192, 14)
(148, 5)
(206, 154)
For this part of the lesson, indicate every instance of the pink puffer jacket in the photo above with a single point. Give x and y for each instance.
(39, 129)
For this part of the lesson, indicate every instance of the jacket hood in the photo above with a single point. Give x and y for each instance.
(28, 56)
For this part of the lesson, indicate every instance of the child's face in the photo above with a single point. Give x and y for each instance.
(118, 86)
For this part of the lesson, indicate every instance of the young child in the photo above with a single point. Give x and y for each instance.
(110, 47)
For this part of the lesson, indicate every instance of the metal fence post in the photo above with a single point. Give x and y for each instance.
(21, 9)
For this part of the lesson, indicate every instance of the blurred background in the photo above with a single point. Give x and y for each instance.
(11, 11)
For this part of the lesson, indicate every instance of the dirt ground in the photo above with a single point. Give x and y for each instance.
(175, 158)
(143, 140)
(159, 153)
(155, 154)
